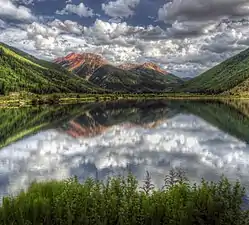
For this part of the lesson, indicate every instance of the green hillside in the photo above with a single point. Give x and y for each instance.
(31, 58)
(231, 74)
(241, 89)
(113, 78)
(22, 72)
(154, 80)
(148, 74)
(147, 80)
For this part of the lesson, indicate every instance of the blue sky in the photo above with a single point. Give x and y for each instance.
(184, 37)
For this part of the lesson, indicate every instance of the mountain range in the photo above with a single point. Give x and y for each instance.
(91, 73)
(147, 77)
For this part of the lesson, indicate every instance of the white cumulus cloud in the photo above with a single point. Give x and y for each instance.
(11, 11)
(120, 8)
(81, 10)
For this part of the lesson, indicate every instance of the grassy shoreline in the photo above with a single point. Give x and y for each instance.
(28, 99)
(121, 200)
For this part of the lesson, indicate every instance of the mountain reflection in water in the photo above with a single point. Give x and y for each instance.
(204, 138)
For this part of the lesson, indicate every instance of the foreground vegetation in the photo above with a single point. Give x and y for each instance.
(121, 201)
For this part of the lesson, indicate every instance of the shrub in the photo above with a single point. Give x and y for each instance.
(120, 200)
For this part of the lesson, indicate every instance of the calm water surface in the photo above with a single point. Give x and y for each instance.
(206, 139)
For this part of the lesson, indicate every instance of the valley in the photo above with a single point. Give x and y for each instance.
(76, 77)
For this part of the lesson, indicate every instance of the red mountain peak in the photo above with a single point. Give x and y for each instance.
(74, 61)
(72, 56)
(88, 63)
(147, 65)
(153, 66)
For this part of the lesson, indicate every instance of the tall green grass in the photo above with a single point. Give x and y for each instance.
(120, 200)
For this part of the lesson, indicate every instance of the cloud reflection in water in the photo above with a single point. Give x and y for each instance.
(183, 141)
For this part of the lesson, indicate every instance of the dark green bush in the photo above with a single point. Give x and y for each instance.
(121, 201)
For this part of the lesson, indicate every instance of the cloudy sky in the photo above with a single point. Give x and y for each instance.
(185, 37)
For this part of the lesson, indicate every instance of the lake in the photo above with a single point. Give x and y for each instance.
(205, 138)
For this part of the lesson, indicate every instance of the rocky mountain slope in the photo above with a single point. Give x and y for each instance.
(147, 77)
(83, 65)
(144, 66)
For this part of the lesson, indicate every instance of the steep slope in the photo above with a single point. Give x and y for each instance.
(152, 72)
(223, 77)
(148, 69)
(83, 65)
(153, 66)
(22, 72)
(145, 66)
(113, 78)
(147, 77)
(241, 89)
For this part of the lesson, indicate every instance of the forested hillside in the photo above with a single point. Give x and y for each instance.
(224, 77)
(22, 72)
(148, 80)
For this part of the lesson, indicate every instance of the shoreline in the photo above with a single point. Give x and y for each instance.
(57, 99)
